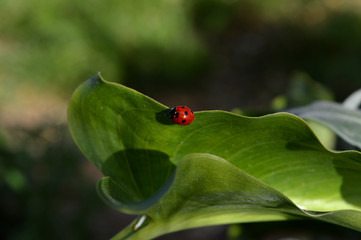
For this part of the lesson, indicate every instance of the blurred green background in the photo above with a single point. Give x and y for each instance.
(249, 56)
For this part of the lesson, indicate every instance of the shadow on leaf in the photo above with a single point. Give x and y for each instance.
(163, 118)
(351, 178)
(138, 173)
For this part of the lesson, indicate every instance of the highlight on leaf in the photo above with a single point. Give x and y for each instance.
(223, 168)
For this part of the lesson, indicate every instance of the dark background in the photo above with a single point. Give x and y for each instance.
(251, 57)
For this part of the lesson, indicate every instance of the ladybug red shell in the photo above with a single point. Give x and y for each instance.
(181, 115)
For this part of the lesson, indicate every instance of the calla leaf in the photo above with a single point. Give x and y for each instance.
(345, 122)
(222, 168)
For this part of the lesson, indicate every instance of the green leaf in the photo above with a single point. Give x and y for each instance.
(324, 134)
(222, 168)
(343, 121)
(195, 199)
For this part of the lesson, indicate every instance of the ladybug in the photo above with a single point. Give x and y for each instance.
(181, 115)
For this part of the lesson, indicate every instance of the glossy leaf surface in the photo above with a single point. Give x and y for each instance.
(222, 168)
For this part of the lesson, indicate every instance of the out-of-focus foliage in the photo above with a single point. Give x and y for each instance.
(47, 191)
(343, 121)
(58, 42)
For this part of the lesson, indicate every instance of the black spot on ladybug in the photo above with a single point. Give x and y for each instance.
(183, 121)
(176, 114)
(182, 106)
(186, 113)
